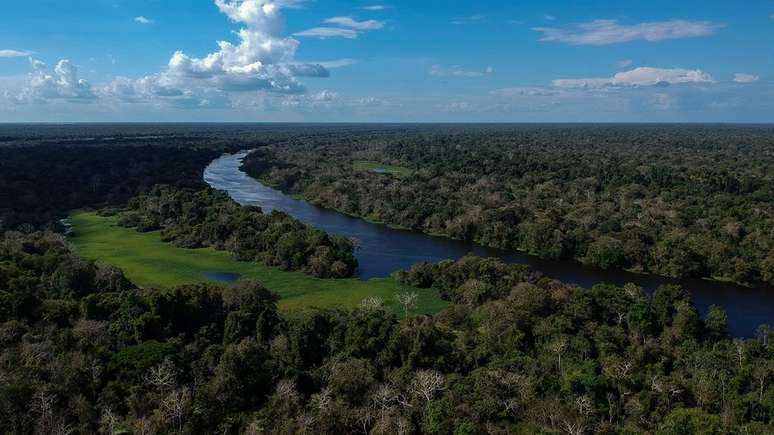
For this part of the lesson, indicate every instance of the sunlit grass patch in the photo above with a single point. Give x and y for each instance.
(149, 262)
(365, 165)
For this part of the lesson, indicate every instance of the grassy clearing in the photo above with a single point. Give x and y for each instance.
(365, 165)
(149, 262)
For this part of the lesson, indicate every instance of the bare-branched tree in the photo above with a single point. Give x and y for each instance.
(558, 347)
(175, 404)
(163, 376)
(408, 300)
(108, 421)
(427, 383)
(372, 303)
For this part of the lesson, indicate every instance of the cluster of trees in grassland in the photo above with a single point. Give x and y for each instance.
(192, 218)
(83, 351)
(678, 201)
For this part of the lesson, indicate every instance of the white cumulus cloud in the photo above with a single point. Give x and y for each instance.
(525, 91)
(603, 32)
(160, 90)
(328, 32)
(15, 53)
(141, 90)
(643, 76)
(261, 60)
(351, 23)
(325, 95)
(471, 19)
(458, 71)
(745, 78)
(62, 84)
(347, 27)
(338, 63)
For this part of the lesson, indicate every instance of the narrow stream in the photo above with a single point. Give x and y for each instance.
(383, 250)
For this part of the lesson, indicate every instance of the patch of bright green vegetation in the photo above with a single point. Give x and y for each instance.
(365, 165)
(149, 262)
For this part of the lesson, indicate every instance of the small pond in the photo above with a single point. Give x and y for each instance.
(223, 276)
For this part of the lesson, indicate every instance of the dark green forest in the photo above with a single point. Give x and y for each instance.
(39, 184)
(84, 350)
(689, 201)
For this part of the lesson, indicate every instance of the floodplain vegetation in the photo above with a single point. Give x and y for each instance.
(150, 262)
(101, 340)
(208, 218)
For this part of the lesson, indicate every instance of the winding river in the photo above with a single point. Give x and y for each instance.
(383, 250)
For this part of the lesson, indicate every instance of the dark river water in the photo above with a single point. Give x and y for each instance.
(383, 250)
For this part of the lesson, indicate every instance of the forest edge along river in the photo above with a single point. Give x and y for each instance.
(382, 250)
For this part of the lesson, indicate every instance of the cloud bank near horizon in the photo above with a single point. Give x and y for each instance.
(259, 69)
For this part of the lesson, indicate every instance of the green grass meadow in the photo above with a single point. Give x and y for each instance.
(149, 262)
(365, 165)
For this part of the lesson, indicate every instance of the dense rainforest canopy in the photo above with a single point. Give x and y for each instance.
(677, 201)
(40, 183)
(84, 350)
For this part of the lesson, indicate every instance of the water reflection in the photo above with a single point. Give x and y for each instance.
(223, 276)
(383, 250)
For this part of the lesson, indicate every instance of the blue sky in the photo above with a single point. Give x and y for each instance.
(315, 60)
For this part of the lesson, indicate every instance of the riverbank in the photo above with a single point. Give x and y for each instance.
(383, 250)
(582, 262)
(149, 262)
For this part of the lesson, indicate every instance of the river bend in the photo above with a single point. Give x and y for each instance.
(383, 250)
